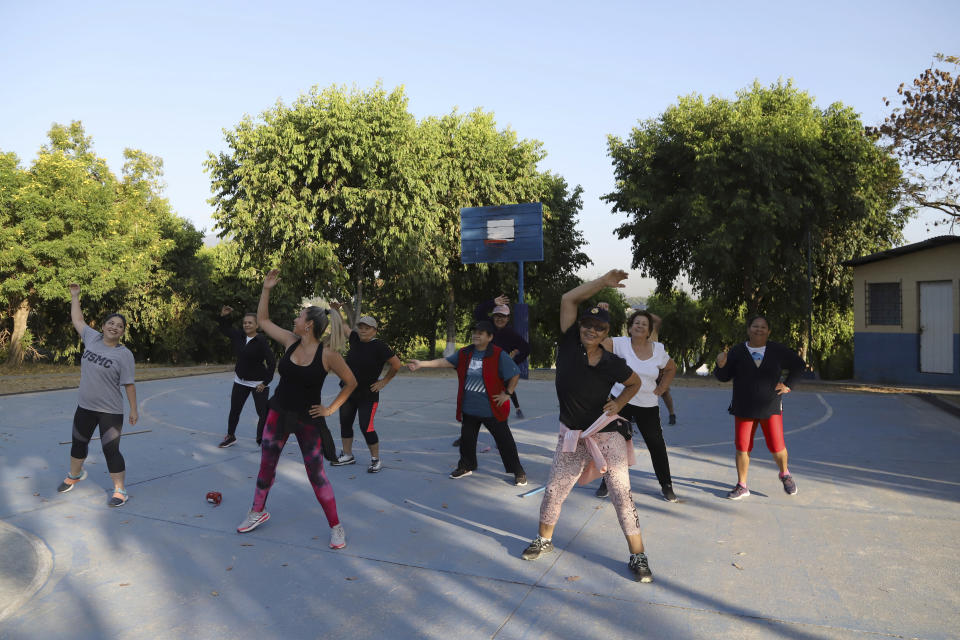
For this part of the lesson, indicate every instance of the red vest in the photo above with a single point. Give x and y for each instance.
(491, 380)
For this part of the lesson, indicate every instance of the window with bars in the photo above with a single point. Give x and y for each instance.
(884, 303)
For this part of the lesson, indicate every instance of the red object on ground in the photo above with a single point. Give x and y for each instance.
(214, 497)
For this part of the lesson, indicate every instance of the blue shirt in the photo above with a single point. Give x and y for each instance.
(475, 400)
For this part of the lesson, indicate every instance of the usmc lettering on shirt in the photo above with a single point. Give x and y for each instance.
(104, 362)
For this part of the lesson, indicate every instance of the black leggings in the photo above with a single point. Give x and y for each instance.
(84, 424)
(470, 429)
(516, 403)
(238, 398)
(367, 409)
(647, 420)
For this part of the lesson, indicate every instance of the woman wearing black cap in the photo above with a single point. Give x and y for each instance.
(592, 439)
(487, 377)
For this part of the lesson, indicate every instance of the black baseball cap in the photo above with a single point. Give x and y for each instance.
(595, 313)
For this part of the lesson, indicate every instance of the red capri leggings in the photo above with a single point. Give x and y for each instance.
(772, 432)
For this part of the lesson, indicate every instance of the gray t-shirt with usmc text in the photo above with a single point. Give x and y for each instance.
(103, 372)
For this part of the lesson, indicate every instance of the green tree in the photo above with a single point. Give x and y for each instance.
(924, 132)
(471, 163)
(735, 194)
(683, 329)
(66, 223)
(330, 186)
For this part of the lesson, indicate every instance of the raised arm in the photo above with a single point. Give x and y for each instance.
(284, 337)
(76, 314)
(571, 299)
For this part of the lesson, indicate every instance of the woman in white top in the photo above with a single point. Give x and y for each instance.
(650, 361)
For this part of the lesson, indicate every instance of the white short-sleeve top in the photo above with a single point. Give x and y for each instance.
(648, 370)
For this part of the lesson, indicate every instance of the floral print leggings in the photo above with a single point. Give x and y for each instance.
(567, 468)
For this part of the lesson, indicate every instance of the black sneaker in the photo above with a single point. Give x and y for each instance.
(456, 442)
(460, 473)
(537, 548)
(668, 493)
(789, 485)
(228, 441)
(520, 478)
(640, 567)
(673, 419)
(602, 491)
(519, 413)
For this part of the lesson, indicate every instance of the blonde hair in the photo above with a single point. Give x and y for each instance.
(319, 311)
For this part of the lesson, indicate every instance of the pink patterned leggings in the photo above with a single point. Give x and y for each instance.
(308, 437)
(566, 470)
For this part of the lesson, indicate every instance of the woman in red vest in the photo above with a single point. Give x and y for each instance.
(487, 376)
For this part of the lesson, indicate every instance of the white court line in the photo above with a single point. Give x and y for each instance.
(816, 423)
(447, 515)
(878, 471)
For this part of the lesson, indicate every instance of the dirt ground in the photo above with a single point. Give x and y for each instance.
(48, 377)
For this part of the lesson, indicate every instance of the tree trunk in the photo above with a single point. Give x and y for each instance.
(19, 329)
(451, 323)
(354, 314)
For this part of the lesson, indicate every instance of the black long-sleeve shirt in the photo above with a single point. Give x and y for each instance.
(255, 359)
(506, 338)
(755, 388)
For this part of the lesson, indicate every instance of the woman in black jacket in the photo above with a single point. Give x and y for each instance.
(756, 367)
(253, 373)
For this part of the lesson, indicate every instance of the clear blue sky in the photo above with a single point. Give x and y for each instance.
(168, 77)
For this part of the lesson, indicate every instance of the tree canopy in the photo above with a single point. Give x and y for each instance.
(734, 193)
(924, 132)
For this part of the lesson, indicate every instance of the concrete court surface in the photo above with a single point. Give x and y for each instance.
(869, 548)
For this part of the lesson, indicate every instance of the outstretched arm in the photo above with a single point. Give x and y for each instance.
(76, 314)
(439, 363)
(284, 337)
(572, 299)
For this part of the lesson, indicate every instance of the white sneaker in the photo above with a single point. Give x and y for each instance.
(344, 458)
(375, 465)
(253, 520)
(338, 537)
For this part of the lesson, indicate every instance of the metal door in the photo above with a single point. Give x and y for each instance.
(936, 327)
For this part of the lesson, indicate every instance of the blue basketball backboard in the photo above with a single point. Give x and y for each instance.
(509, 233)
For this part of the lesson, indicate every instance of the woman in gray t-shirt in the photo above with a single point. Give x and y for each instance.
(106, 373)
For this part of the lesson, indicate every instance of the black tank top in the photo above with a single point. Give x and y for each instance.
(300, 386)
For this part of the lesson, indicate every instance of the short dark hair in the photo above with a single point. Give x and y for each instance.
(250, 313)
(758, 316)
(116, 315)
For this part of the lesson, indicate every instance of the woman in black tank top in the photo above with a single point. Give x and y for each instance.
(297, 407)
